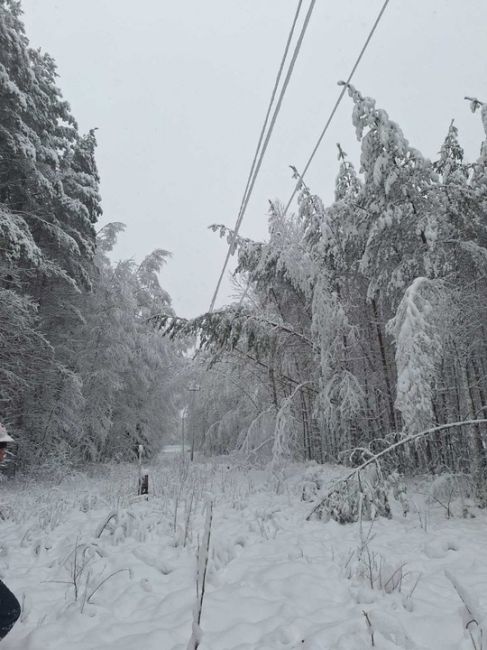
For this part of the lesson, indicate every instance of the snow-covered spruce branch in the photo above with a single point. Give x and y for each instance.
(260, 363)
(231, 236)
(284, 328)
(475, 103)
(375, 457)
(290, 397)
(207, 325)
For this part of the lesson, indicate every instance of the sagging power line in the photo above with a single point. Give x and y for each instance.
(264, 141)
(337, 104)
(256, 165)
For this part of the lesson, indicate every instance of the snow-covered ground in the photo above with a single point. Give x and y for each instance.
(99, 569)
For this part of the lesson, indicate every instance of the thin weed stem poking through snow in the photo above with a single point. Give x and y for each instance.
(100, 584)
(202, 566)
(370, 628)
(474, 618)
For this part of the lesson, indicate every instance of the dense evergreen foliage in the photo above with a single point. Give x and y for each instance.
(363, 321)
(82, 374)
(359, 322)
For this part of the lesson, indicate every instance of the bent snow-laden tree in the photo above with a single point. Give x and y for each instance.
(364, 321)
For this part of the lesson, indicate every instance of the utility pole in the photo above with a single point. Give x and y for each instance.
(143, 487)
(193, 388)
(183, 417)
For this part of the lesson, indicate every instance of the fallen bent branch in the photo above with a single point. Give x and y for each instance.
(374, 458)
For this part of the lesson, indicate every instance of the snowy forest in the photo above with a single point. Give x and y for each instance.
(360, 321)
(84, 376)
(345, 380)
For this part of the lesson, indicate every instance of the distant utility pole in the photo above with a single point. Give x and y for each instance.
(183, 418)
(143, 487)
(193, 388)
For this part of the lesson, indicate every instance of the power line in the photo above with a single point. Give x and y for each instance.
(279, 102)
(337, 103)
(257, 162)
(271, 102)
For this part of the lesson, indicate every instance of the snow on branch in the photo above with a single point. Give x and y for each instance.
(355, 473)
(418, 349)
(224, 329)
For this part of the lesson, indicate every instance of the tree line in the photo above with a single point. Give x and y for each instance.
(358, 322)
(83, 376)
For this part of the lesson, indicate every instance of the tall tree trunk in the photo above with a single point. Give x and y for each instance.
(385, 366)
(479, 458)
(306, 427)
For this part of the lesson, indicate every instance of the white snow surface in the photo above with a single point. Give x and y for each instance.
(275, 581)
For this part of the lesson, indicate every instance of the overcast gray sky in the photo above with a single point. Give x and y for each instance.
(179, 90)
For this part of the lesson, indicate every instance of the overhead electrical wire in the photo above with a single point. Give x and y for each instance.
(337, 104)
(271, 102)
(263, 143)
(256, 166)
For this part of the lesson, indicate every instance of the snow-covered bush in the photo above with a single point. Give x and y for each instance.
(375, 571)
(312, 482)
(450, 491)
(364, 495)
